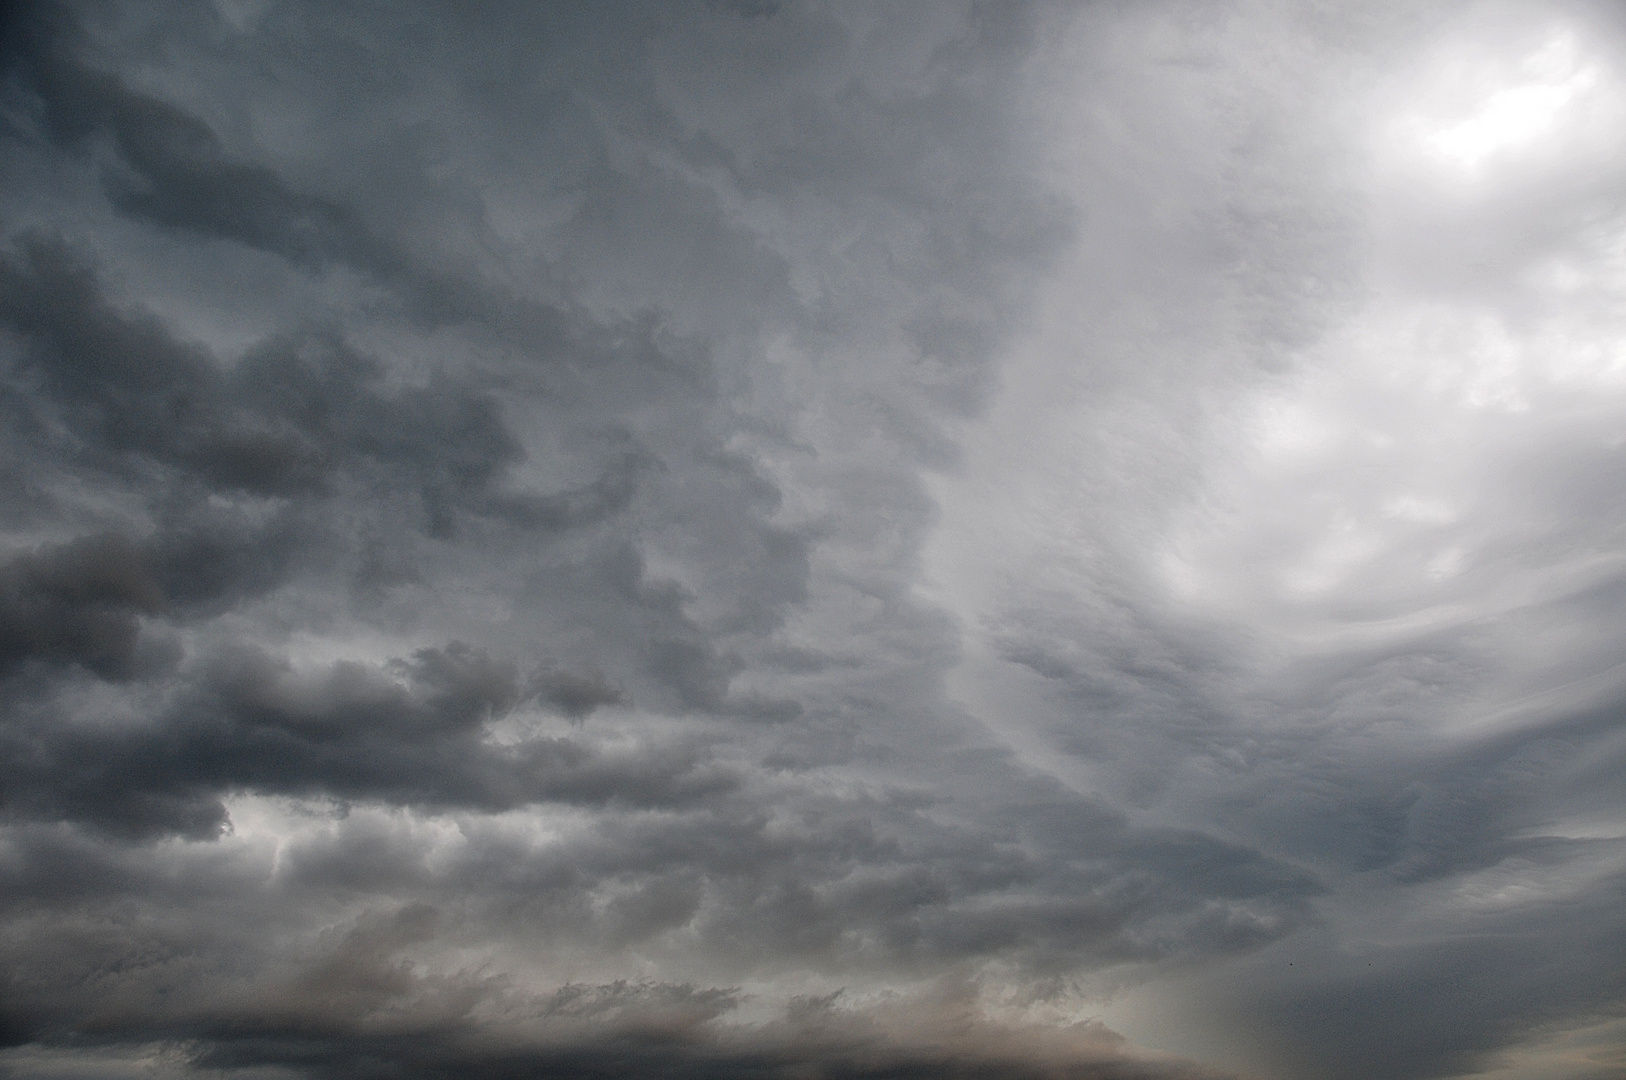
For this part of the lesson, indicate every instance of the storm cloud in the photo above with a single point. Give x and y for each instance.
(798, 539)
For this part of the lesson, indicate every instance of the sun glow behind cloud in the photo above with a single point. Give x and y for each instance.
(1351, 480)
(1516, 118)
(1477, 105)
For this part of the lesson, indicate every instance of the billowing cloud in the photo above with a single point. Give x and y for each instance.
(810, 540)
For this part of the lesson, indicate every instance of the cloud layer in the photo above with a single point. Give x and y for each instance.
(810, 540)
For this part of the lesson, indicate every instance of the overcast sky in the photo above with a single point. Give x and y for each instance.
(743, 540)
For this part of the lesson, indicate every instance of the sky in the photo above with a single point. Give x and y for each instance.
(755, 540)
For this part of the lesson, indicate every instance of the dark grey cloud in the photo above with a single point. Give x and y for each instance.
(280, 423)
(411, 735)
(170, 168)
